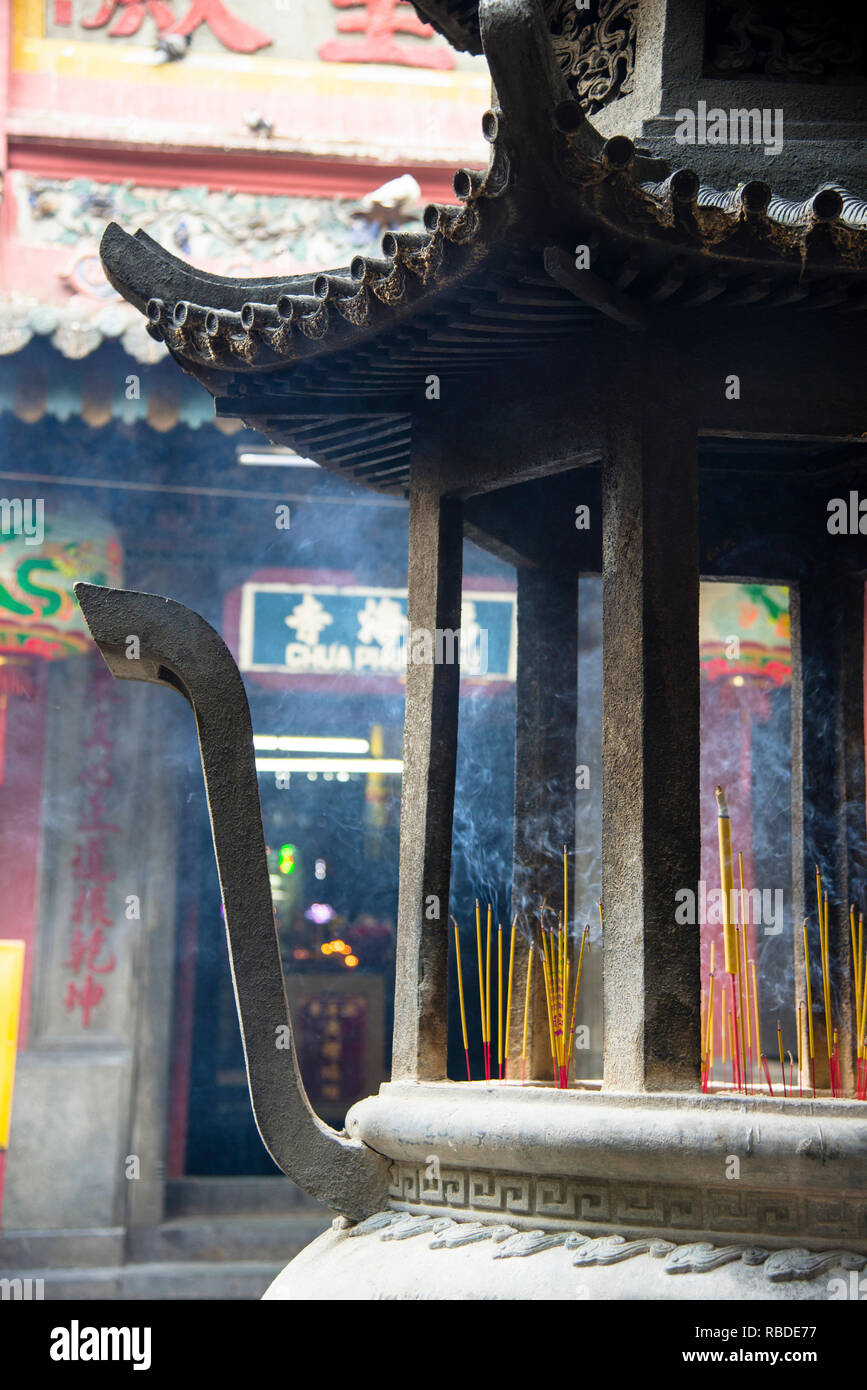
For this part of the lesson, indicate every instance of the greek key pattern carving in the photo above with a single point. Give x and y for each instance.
(597, 56)
(504, 1242)
(570, 1202)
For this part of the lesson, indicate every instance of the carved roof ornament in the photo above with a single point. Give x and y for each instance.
(790, 40)
(597, 57)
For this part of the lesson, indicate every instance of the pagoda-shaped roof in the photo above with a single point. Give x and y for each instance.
(563, 232)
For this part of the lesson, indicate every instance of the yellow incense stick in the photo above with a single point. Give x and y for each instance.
(526, 1011)
(744, 947)
(724, 834)
(571, 1049)
(703, 1013)
(547, 975)
(860, 973)
(584, 936)
(565, 889)
(741, 1008)
(461, 986)
(509, 996)
(708, 1046)
(500, 995)
(826, 980)
(488, 982)
(809, 989)
(855, 959)
(756, 1010)
(481, 968)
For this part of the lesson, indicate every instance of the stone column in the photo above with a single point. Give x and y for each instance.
(429, 760)
(545, 720)
(651, 740)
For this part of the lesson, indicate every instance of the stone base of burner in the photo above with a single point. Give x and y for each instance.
(399, 1256)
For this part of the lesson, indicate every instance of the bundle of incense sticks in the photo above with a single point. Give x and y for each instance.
(561, 960)
(731, 1007)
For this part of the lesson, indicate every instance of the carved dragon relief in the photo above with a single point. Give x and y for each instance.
(695, 1257)
(597, 56)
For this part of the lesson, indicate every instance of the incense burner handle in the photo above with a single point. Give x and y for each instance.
(176, 647)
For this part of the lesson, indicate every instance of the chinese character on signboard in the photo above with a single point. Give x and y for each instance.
(128, 16)
(378, 21)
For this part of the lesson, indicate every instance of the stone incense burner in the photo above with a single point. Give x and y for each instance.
(696, 380)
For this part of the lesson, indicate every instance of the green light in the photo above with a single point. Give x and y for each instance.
(287, 859)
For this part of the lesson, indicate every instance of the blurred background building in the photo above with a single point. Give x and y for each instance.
(256, 139)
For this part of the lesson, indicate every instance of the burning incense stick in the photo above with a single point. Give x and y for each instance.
(732, 965)
(526, 1014)
(780, 1050)
(509, 996)
(826, 985)
(756, 1010)
(488, 1001)
(743, 1040)
(708, 1050)
(800, 1047)
(767, 1073)
(809, 1004)
(744, 962)
(565, 890)
(724, 833)
(854, 959)
(500, 1000)
(481, 985)
(461, 994)
(584, 936)
(548, 1001)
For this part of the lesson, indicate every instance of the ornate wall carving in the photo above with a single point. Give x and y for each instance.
(596, 55)
(789, 40)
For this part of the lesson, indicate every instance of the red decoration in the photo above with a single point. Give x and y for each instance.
(62, 11)
(381, 20)
(131, 17)
(231, 31)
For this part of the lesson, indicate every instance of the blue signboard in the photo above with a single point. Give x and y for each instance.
(324, 630)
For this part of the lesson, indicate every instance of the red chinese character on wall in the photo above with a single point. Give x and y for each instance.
(379, 23)
(85, 951)
(87, 865)
(232, 32)
(85, 996)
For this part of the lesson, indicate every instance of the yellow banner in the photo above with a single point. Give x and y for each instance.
(11, 978)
